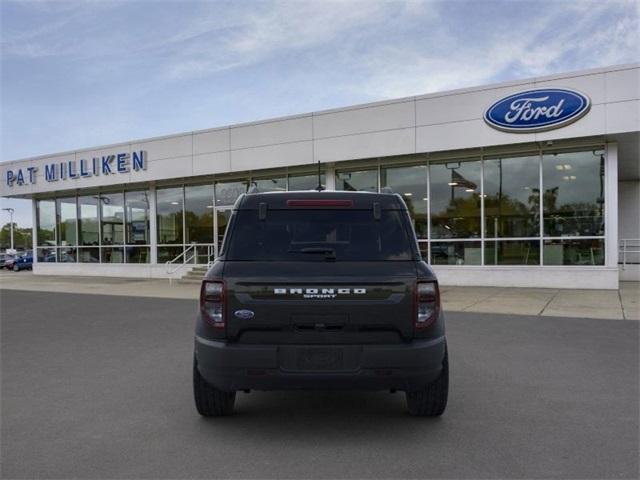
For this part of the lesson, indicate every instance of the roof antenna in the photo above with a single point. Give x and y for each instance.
(319, 187)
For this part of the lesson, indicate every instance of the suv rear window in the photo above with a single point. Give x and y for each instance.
(319, 235)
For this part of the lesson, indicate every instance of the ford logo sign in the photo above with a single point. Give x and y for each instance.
(244, 314)
(537, 110)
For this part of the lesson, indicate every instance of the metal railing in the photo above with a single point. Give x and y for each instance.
(210, 254)
(628, 246)
(187, 256)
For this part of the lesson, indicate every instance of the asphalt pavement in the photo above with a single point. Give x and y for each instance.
(97, 386)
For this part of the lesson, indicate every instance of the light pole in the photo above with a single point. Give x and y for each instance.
(10, 210)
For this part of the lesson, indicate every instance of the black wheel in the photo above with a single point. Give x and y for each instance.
(211, 402)
(432, 401)
(16, 268)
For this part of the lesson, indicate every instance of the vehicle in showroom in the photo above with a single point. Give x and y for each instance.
(320, 290)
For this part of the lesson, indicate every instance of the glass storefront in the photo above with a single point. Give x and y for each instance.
(66, 214)
(357, 180)
(46, 217)
(137, 218)
(273, 184)
(536, 208)
(411, 183)
(95, 228)
(306, 182)
(573, 197)
(455, 199)
(88, 225)
(512, 197)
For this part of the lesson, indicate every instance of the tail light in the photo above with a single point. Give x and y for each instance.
(212, 301)
(427, 303)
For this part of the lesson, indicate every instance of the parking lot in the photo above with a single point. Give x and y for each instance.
(99, 386)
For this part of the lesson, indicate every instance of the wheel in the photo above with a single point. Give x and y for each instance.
(211, 402)
(432, 401)
(16, 268)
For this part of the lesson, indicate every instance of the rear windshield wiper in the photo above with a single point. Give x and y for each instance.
(330, 253)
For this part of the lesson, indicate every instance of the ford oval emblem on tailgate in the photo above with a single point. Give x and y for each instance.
(244, 314)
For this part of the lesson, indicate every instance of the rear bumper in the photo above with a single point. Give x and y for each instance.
(231, 367)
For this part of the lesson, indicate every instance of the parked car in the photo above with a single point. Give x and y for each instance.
(3, 258)
(9, 259)
(23, 262)
(320, 290)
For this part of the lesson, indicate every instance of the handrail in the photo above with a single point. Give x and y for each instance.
(185, 261)
(628, 245)
(210, 254)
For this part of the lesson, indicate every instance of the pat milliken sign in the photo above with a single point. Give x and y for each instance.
(105, 165)
(537, 110)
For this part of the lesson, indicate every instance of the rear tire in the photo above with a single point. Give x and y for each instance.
(16, 268)
(211, 402)
(432, 401)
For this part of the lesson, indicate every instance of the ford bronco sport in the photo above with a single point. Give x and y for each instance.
(320, 290)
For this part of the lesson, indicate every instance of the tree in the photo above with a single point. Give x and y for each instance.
(22, 239)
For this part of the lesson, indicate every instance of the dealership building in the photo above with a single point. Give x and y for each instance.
(533, 183)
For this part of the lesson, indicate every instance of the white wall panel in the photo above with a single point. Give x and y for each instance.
(623, 116)
(178, 146)
(623, 85)
(166, 168)
(361, 120)
(367, 145)
(286, 154)
(208, 163)
(531, 277)
(212, 141)
(470, 134)
(461, 107)
(592, 85)
(271, 133)
(593, 123)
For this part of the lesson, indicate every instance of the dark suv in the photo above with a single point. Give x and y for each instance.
(320, 290)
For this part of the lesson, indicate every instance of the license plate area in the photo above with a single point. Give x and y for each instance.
(319, 358)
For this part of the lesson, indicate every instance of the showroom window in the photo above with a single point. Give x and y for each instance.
(411, 183)
(67, 213)
(170, 220)
(489, 210)
(228, 192)
(46, 230)
(512, 196)
(108, 228)
(358, 180)
(112, 227)
(274, 184)
(573, 207)
(306, 182)
(573, 195)
(88, 229)
(198, 215)
(137, 227)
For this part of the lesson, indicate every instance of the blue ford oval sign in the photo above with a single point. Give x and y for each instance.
(537, 110)
(243, 314)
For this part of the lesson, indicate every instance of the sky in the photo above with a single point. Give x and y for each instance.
(87, 73)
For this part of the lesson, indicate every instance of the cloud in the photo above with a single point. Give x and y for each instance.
(271, 29)
(557, 39)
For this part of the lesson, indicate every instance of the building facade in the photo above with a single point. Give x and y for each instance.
(528, 183)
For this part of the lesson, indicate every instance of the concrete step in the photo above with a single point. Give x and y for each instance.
(190, 281)
(196, 276)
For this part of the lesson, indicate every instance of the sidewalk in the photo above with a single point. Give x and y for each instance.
(609, 304)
